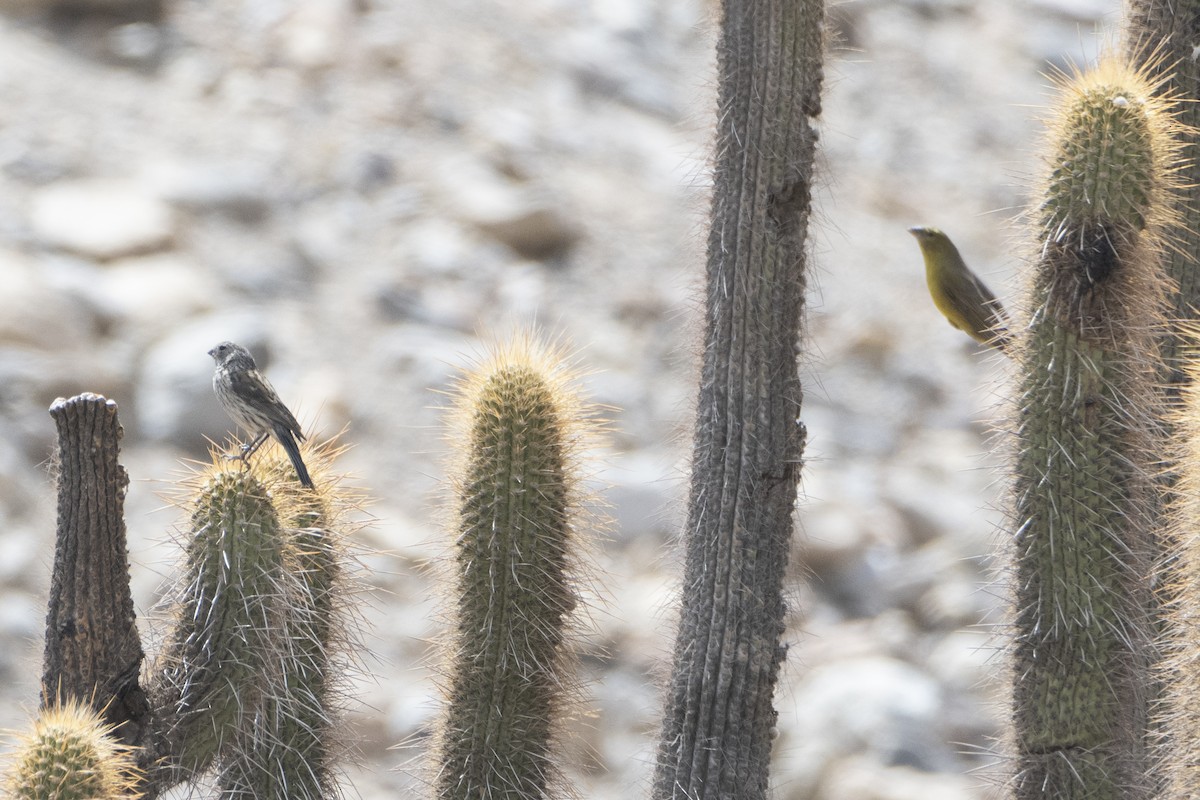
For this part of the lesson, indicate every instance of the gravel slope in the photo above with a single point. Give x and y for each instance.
(361, 192)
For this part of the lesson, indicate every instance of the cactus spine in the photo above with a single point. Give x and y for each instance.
(71, 754)
(1162, 34)
(1182, 684)
(251, 670)
(288, 749)
(222, 655)
(1084, 501)
(515, 507)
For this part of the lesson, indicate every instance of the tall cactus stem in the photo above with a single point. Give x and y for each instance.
(289, 749)
(1162, 35)
(1180, 710)
(1087, 419)
(516, 493)
(228, 640)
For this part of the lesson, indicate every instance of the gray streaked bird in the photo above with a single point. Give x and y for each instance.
(958, 293)
(252, 403)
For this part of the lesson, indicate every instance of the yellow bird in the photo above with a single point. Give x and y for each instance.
(958, 293)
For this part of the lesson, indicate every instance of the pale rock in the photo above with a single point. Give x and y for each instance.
(21, 617)
(262, 268)
(611, 66)
(445, 305)
(849, 545)
(938, 471)
(863, 778)
(524, 290)
(239, 191)
(407, 703)
(137, 43)
(192, 73)
(153, 292)
(20, 555)
(968, 658)
(33, 164)
(398, 303)
(643, 496)
(327, 410)
(34, 313)
(101, 219)
(438, 246)
(508, 212)
(639, 604)
(20, 492)
(626, 704)
(143, 8)
(31, 379)
(414, 542)
(1076, 11)
(836, 531)
(881, 707)
(314, 34)
(425, 355)
(625, 15)
(371, 171)
(915, 578)
(954, 599)
(322, 233)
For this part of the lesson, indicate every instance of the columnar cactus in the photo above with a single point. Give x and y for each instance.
(71, 754)
(515, 503)
(288, 750)
(223, 653)
(1087, 412)
(1162, 34)
(1181, 707)
(251, 668)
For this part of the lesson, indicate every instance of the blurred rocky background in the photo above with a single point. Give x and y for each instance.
(364, 191)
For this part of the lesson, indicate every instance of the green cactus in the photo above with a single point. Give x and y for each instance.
(252, 669)
(71, 754)
(287, 751)
(515, 494)
(223, 652)
(1162, 35)
(1181, 711)
(1085, 507)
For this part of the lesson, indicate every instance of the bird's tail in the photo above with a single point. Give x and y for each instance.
(288, 440)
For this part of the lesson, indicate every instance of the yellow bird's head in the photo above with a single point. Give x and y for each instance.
(931, 238)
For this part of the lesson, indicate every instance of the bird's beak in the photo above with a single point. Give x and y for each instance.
(210, 352)
(916, 230)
